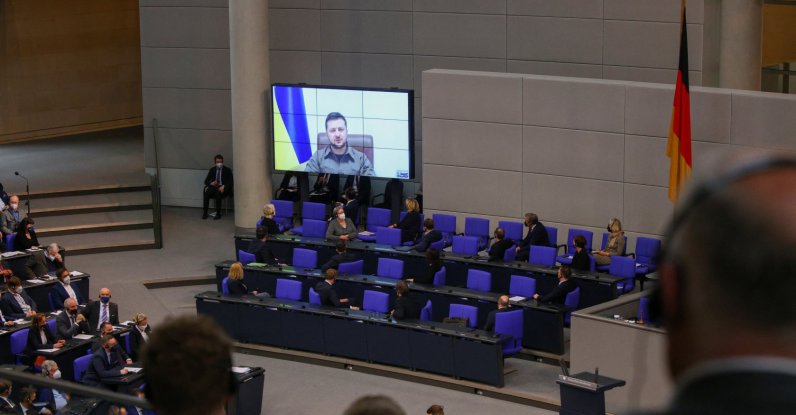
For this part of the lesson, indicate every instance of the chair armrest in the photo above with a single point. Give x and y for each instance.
(632, 255)
(558, 248)
(373, 199)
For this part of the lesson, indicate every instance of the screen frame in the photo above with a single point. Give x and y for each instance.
(411, 108)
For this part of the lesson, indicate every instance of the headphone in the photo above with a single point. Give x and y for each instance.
(698, 196)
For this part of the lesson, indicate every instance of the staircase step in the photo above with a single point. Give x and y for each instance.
(90, 218)
(101, 189)
(94, 208)
(117, 237)
(56, 202)
(111, 247)
(91, 228)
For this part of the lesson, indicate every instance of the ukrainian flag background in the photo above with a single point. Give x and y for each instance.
(291, 129)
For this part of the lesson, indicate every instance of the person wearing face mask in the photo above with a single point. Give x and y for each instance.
(9, 220)
(65, 288)
(53, 257)
(615, 245)
(101, 311)
(26, 236)
(218, 185)
(139, 335)
(54, 399)
(40, 336)
(258, 247)
(71, 322)
(106, 329)
(27, 396)
(16, 303)
(537, 235)
(340, 227)
(106, 362)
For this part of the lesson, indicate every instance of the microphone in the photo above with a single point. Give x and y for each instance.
(27, 190)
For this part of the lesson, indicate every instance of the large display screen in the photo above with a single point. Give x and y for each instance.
(350, 131)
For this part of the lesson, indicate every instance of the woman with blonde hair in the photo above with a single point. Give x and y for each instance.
(410, 224)
(139, 334)
(235, 282)
(267, 221)
(615, 245)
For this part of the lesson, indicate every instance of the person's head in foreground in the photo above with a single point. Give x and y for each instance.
(374, 405)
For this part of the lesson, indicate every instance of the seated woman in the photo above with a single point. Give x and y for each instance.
(139, 335)
(235, 283)
(615, 246)
(341, 228)
(580, 260)
(267, 221)
(410, 224)
(26, 237)
(433, 265)
(40, 336)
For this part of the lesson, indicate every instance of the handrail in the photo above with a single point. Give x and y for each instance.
(157, 219)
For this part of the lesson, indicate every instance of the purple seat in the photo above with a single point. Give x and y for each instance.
(19, 342)
(127, 346)
(604, 268)
(522, 286)
(245, 258)
(446, 225)
(10, 241)
(425, 312)
(375, 301)
(314, 297)
(513, 229)
(465, 245)
(80, 366)
(439, 276)
(388, 236)
(352, 268)
(439, 245)
(478, 227)
(571, 303)
(51, 324)
(479, 280)
(284, 214)
(390, 268)
(310, 210)
(511, 254)
(305, 258)
(647, 252)
(543, 256)
(377, 218)
(624, 267)
(552, 235)
(509, 323)
(225, 286)
(464, 311)
(569, 248)
(288, 289)
(314, 228)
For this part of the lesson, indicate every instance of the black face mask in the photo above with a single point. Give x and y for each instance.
(608, 227)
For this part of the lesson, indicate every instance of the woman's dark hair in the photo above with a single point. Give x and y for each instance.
(579, 241)
(432, 256)
(24, 224)
(34, 323)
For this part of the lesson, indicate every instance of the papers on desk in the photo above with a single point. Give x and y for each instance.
(517, 298)
(76, 273)
(36, 281)
(367, 233)
(256, 264)
(33, 249)
(10, 254)
(55, 313)
(241, 370)
(47, 350)
(133, 369)
(21, 321)
(82, 336)
(127, 323)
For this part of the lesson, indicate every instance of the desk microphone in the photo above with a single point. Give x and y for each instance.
(27, 190)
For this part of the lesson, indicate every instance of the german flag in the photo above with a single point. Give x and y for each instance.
(678, 147)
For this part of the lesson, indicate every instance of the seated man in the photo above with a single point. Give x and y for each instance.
(15, 302)
(338, 157)
(339, 258)
(53, 257)
(328, 294)
(499, 247)
(106, 362)
(262, 253)
(106, 329)
(564, 287)
(430, 235)
(218, 185)
(70, 322)
(537, 235)
(102, 311)
(502, 305)
(65, 288)
(11, 217)
(406, 305)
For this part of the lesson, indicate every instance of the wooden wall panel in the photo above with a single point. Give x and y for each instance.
(68, 67)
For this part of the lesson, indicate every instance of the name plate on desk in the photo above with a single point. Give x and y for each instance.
(577, 382)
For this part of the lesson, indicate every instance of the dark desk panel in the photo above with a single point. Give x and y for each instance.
(596, 288)
(66, 355)
(543, 323)
(468, 354)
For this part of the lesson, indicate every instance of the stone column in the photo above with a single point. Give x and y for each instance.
(741, 44)
(251, 79)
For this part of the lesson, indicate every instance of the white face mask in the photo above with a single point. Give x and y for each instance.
(57, 374)
(67, 280)
(14, 206)
(142, 328)
(341, 216)
(18, 290)
(219, 165)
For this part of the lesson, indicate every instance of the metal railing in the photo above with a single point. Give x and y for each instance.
(157, 219)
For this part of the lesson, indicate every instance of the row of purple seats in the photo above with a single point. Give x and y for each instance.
(9, 241)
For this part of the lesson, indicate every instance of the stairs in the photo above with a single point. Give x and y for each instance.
(95, 219)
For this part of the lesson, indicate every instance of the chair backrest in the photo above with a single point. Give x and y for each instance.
(604, 244)
(510, 254)
(589, 235)
(571, 302)
(51, 301)
(314, 228)
(446, 224)
(314, 297)
(225, 286)
(510, 323)
(80, 365)
(305, 258)
(284, 212)
(513, 229)
(465, 311)
(552, 235)
(425, 312)
(288, 289)
(643, 313)
(313, 210)
(647, 251)
(353, 267)
(465, 245)
(19, 341)
(543, 256)
(622, 266)
(522, 286)
(10, 241)
(439, 276)
(479, 280)
(391, 268)
(377, 217)
(478, 227)
(51, 324)
(388, 236)
(361, 142)
(439, 245)
(375, 301)
(245, 257)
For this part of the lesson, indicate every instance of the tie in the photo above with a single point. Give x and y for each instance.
(104, 314)
(72, 317)
(218, 176)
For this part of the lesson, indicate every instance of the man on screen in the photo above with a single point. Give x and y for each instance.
(338, 157)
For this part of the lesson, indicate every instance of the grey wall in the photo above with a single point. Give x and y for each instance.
(577, 151)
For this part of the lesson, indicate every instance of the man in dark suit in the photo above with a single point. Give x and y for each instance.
(537, 235)
(728, 303)
(565, 285)
(65, 288)
(53, 257)
(107, 329)
(70, 322)
(16, 303)
(430, 235)
(328, 294)
(218, 185)
(262, 253)
(6, 404)
(502, 305)
(339, 258)
(102, 311)
(406, 306)
(106, 362)
(498, 249)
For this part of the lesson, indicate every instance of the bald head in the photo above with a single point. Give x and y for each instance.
(105, 292)
(13, 199)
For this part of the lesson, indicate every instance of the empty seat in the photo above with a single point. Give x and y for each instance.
(446, 225)
(513, 230)
(352, 268)
(522, 286)
(439, 276)
(478, 227)
(245, 258)
(375, 301)
(465, 245)
(479, 280)
(288, 289)
(377, 218)
(314, 228)
(310, 210)
(647, 252)
(464, 311)
(80, 365)
(552, 235)
(390, 268)
(622, 266)
(18, 344)
(425, 312)
(314, 297)
(388, 236)
(509, 323)
(305, 258)
(543, 256)
(439, 245)
(571, 303)
(225, 286)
